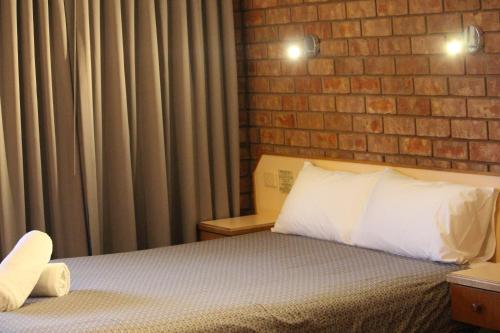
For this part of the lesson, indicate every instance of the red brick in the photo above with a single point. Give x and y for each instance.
(379, 65)
(412, 65)
(448, 107)
(469, 129)
(321, 103)
(394, 45)
(486, 21)
(308, 85)
(260, 118)
(397, 85)
(338, 122)
(392, 7)
(425, 6)
(336, 85)
(492, 42)
(430, 86)
(321, 66)
(355, 142)
(494, 130)
(363, 46)
(485, 151)
(461, 5)
(383, 144)
(482, 64)
(399, 125)
(356, 9)
(271, 135)
(258, 84)
(254, 17)
(433, 163)
(310, 120)
(295, 102)
(490, 4)
(334, 48)
(284, 119)
(278, 16)
(470, 166)
(264, 3)
(367, 123)
(408, 25)
(291, 32)
(276, 50)
(400, 159)
(380, 104)
(415, 146)
(340, 154)
(332, 11)
(346, 29)
(256, 51)
(493, 86)
(268, 67)
(377, 27)
(297, 138)
(291, 68)
(483, 108)
(282, 85)
(346, 66)
(419, 106)
(263, 34)
(368, 157)
(351, 104)
(433, 127)
(321, 29)
(304, 14)
(450, 149)
(427, 44)
(444, 23)
(445, 65)
(467, 86)
(365, 85)
(265, 102)
(324, 140)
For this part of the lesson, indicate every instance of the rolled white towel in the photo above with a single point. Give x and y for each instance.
(54, 281)
(21, 269)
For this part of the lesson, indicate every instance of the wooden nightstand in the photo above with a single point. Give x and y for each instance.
(475, 295)
(234, 226)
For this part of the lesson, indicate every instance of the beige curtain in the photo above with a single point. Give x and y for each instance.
(118, 121)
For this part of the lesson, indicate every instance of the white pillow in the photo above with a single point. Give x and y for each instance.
(430, 220)
(325, 204)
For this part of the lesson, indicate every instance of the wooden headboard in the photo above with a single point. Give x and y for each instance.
(274, 175)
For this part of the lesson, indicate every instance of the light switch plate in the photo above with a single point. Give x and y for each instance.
(285, 179)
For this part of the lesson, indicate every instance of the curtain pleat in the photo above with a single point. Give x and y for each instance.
(118, 121)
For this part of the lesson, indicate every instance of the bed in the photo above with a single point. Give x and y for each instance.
(260, 282)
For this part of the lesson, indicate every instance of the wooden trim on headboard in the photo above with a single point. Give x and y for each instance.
(268, 198)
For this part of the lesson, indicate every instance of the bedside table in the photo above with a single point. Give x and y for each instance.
(234, 226)
(475, 295)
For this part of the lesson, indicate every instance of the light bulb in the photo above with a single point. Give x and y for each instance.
(294, 52)
(454, 47)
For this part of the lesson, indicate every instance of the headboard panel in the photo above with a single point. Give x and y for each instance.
(274, 174)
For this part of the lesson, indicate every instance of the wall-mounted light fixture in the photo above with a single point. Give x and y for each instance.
(308, 47)
(471, 41)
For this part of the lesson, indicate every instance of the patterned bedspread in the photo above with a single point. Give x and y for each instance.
(261, 282)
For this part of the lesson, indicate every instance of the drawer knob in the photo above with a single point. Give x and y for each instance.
(476, 307)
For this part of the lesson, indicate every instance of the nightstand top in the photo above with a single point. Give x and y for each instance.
(238, 225)
(484, 276)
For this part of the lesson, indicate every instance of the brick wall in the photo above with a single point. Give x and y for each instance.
(381, 88)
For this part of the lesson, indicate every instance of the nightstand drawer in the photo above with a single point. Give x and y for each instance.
(475, 306)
